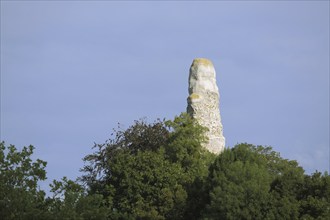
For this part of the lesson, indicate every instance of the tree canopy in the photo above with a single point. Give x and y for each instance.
(20, 197)
(254, 182)
(160, 170)
(149, 170)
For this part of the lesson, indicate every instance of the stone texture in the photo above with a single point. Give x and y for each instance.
(203, 102)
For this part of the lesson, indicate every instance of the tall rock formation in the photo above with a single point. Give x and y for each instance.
(203, 102)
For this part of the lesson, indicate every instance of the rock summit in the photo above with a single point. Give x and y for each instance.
(203, 102)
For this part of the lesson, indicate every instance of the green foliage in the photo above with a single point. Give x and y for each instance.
(315, 197)
(184, 145)
(138, 137)
(70, 201)
(20, 197)
(150, 171)
(161, 171)
(145, 186)
(254, 182)
(239, 185)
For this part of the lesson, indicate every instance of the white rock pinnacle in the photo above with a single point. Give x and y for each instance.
(203, 102)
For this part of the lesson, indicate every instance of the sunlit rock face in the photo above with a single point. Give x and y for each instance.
(203, 102)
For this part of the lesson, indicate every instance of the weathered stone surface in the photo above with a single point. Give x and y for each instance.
(203, 102)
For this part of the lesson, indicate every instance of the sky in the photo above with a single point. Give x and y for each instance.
(70, 71)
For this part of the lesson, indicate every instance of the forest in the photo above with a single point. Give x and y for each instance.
(160, 170)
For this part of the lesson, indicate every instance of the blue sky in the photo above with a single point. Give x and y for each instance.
(70, 71)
